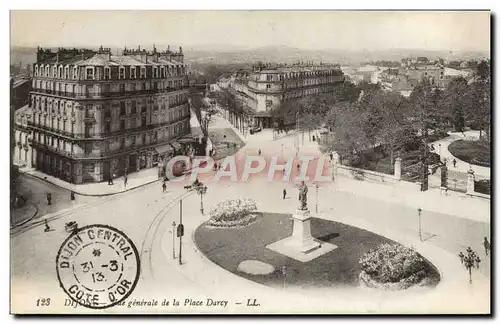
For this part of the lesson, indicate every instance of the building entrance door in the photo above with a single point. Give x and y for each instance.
(132, 164)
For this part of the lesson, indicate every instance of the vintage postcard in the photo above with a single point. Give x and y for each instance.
(250, 162)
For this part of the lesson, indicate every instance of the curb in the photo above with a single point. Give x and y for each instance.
(27, 220)
(93, 195)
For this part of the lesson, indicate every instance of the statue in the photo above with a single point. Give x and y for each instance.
(303, 196)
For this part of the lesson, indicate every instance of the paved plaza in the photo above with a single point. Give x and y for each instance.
(449, 224)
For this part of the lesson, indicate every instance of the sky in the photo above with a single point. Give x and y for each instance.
(348, 30)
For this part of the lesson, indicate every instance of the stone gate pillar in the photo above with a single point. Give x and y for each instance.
(397, 168)
(335, 163)
(470, 181)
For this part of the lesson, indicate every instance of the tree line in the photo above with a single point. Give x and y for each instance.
(365, 116)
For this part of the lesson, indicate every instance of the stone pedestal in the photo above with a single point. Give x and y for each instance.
(397, 168)
(301, 245)
(301, 238)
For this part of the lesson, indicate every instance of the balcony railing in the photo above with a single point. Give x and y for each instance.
(108, 94)
(103, 135)
(98, 155)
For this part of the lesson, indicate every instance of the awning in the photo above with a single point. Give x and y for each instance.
(176, 145)
(187, 140)
(164, 149)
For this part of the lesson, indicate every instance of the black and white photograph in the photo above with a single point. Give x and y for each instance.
(250, 162)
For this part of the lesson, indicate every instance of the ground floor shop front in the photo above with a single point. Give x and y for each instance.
(89, 170)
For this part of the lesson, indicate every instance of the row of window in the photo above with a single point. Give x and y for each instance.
(67, 126)
(294, 75)
(44, 103)
(303, 84)
(64, 89)
(90, 73)
(65, 145)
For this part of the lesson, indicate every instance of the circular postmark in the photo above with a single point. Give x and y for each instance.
(98, 266)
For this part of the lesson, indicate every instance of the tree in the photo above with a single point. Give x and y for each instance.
(346, 120)
(456, 103)
(481, 94)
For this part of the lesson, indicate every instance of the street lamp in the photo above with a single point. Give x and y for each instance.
(317, 187)
(419, 223)
(439, 149)
(173, 239)
(469, 261)
(201, 191)
(283, 271)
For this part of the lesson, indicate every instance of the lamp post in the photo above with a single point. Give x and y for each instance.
(180, 232)
(317, 187)
(201, 191)
(419, 223)
(469, 260)
(173, 239)
(283, 271)
(439, 149)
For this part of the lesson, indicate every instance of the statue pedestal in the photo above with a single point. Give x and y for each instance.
(301, 245)
(301, 238)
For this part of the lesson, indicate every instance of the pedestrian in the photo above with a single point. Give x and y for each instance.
(314, 138)
(125, 179)
(164, 186)
(49, 199)
(454, 163)
(487, 246)
(260, 152)
(284, 193)
(462, 256)
(331, 156)
(47, 227)
(477, 260)
(72, 198)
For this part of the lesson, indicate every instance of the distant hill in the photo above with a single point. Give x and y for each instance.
(226, 54)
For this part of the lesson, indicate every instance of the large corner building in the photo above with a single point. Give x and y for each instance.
(93, 114)
(267, 87)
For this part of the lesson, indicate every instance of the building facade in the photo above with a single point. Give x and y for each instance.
(267, 87)
(94, 115)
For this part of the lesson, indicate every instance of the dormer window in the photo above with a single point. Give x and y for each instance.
(121, 74)
(133, 72)
(162, 72)
(89, 73)
(47, 71)
(143, 72)
(107, 73)
(60, 72)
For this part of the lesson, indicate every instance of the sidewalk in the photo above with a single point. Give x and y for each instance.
(461, 166)
(213, 279)
(221, 122)
(135, 180)
(403, 193)
(21, 216)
